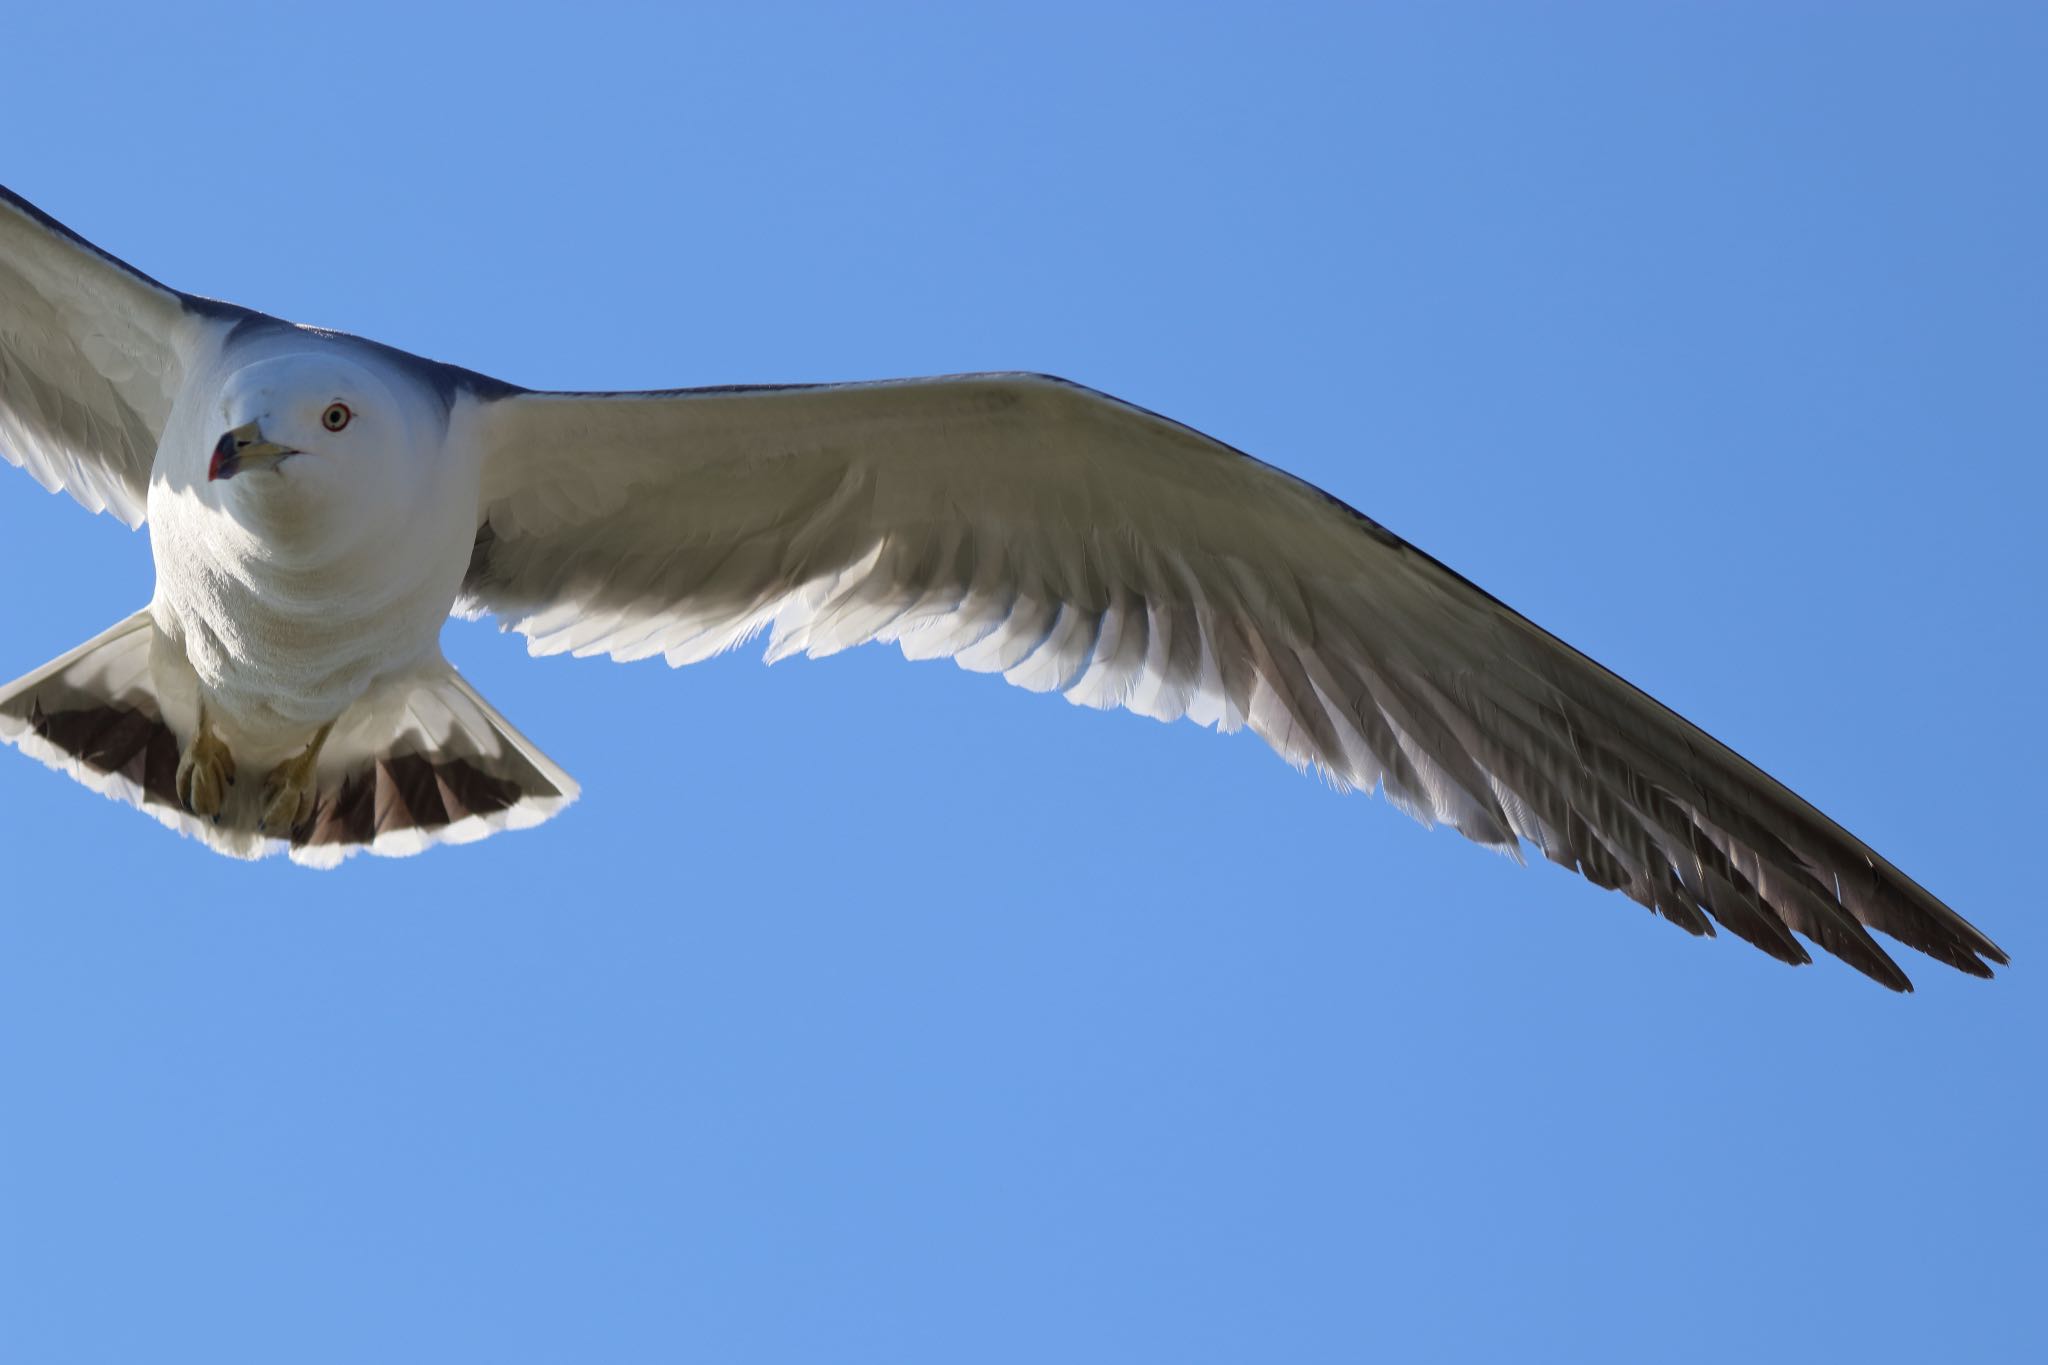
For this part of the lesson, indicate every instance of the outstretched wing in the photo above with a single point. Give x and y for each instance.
(92, 351)
(1026, 526)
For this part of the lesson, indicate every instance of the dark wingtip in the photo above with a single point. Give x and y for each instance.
(1963, 962)
(1883, 971)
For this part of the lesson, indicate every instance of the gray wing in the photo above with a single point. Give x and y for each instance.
(1025, 526)
(92, 353)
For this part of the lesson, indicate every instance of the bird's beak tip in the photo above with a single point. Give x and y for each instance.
(237, 448)
(224, 464)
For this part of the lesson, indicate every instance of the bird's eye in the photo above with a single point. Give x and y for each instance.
(336, 417)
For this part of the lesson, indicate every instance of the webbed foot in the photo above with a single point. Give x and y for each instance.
(290, 790)
(205, 772)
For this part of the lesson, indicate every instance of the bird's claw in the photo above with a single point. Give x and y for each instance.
(288, 794)
(205, 772)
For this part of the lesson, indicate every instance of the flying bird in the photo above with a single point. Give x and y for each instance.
(319, 504)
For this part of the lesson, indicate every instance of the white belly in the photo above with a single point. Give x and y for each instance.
(286, 628)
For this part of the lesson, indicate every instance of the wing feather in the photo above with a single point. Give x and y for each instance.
(1024, 526)
(92, 352)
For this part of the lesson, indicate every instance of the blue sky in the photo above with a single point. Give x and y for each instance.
(869, 1011)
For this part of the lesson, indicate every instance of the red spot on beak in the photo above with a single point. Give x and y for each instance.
(224, 464)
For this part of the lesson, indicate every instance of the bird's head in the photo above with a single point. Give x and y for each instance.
(275, 411)
(322, 435)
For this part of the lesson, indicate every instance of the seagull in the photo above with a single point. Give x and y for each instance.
(319, 504)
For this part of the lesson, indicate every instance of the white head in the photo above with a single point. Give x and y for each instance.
(324, 440)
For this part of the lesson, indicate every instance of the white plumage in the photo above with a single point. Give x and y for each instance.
(1017, 524)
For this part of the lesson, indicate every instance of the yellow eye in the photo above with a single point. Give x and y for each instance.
(336, 417)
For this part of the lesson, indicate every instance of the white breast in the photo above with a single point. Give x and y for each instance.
(293, 591)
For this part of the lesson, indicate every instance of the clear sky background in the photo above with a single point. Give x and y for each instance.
(870, 1011)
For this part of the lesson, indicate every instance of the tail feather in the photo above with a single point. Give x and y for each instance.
(430, 762)
(424, 760)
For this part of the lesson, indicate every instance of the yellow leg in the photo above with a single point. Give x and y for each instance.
(289, 791)
(205, 771)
